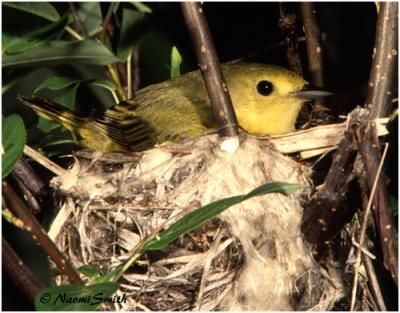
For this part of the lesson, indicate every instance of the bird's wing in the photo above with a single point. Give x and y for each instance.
(125, 128)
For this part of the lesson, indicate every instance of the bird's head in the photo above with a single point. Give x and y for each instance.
(267, 98)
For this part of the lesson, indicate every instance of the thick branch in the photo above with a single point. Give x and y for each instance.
(20, 274)
(38, 233)
(383, 70)
(210, 68)
(368, 146)
(326, 212)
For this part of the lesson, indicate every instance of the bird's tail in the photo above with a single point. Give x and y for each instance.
(53, 111)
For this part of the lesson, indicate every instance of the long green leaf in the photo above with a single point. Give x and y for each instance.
(57, 83)
(18, 42)
(63, 52)
(74, 297)
(42, 9)
(196, 218)
(14, 138)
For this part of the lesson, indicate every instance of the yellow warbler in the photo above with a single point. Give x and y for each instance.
(266, 99)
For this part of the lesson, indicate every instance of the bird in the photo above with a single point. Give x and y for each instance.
(266, 98)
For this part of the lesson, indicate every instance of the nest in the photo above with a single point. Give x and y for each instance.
(252, 257)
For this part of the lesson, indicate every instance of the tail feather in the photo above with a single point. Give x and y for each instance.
(53, 111)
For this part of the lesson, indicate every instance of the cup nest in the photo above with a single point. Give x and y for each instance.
(251, 257)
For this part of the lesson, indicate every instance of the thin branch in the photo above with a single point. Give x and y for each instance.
(129, 87)
(287, 24)
(364, 229)
(19, 273)
(73, 33)
(210, 69)
(107, 21)
(313, 43)
(383, 69)
(78, 20)
(374, 284)
(136, 70)
(39, 234)
(42, 160)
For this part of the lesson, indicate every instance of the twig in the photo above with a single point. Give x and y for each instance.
(383, 69)
(38, 233)
(210, 69)
(20, 274)
(50, 165)
(78, 20)
(73, 33)
(364, 229)
(136, 70)
(129, 87)
(373, 281)
(313, 43)
(107, 21)
(287, 24)
(112, 70)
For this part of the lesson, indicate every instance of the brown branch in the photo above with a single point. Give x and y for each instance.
(210, 69)
(19, 273)
(78, 20)
(287, 24)
(383, 70)
(327, 213)
(39, 234)
(368, 147)
(313, 43)
(32, 181)
(31, 184)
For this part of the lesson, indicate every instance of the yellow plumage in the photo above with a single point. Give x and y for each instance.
(265, 97)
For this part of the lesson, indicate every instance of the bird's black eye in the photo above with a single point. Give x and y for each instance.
(265, 88)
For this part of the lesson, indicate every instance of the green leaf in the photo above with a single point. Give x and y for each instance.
(68, 98)
(90, 14)
(196, 218)
(104, 83)
(132, 32)
(89, 270)
(63, 52)
(14, 138)
(58, 82)
(42, 9)
(106, 277)
(142, 7)
(26, 39)
(176, 61)
(62, 298)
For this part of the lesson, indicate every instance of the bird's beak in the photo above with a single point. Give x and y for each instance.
(311, 93)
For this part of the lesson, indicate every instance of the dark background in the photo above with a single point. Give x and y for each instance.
(238, 29)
